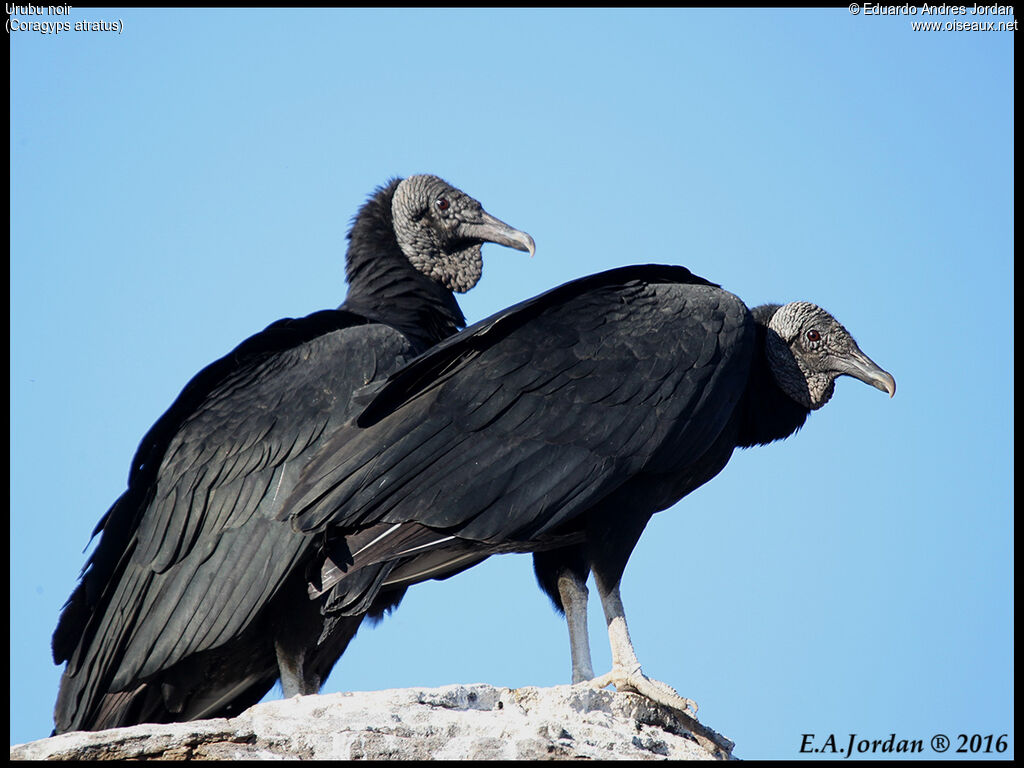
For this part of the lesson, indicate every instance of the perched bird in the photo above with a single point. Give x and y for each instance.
(558, 427)
(194, 601)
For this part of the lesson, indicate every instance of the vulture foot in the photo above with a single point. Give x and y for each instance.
(637, 682)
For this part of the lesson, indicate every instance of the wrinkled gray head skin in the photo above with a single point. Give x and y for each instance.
(808, 349)
(440, 229)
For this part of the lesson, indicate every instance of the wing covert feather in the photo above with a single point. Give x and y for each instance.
(224, 473)
(530, 421)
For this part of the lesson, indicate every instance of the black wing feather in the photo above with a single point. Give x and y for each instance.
(504, 432)
(204, 490)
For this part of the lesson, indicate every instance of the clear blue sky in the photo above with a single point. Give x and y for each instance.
(179, 186)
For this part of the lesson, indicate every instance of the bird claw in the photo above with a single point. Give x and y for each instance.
(636, 681)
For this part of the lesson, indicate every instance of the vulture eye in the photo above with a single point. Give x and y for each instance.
(442, 203)
(813, 335)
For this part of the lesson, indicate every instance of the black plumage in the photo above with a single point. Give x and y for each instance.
(194, 600)
(559, 426)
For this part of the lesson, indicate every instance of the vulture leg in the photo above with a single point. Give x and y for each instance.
(625, 674)
(573, 592)
(295, 679)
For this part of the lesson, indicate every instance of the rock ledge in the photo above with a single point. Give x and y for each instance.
(476, 721)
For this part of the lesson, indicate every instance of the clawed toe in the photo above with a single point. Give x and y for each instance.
(655, 690)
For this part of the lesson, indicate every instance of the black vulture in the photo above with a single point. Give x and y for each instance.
(558, 427)
(194, 600)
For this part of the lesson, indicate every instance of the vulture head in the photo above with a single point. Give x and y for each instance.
(440, 229)
(808, 350)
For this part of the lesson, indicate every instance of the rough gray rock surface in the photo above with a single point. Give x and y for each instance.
(478, 721)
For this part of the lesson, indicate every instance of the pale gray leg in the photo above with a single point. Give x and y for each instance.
(626, 674)
(293, 681)
(574, 601)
